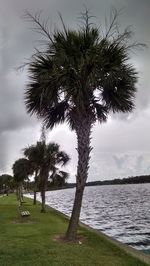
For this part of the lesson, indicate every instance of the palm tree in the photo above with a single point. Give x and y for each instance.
(22, 168)
(45, 158)
(33, 154)
(59, 178)
(6, 183)
(81, 77)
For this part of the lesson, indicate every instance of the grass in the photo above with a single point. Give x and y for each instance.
(31, 241)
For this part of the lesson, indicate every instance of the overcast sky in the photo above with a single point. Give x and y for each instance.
(122, 145)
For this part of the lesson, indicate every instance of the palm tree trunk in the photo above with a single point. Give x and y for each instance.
(19, 193)
(43, 200)
(43, 185)
(71, 233)
(83, 131)
(34, 199)
(35, 187)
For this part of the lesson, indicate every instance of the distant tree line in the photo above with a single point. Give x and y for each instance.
(60, 182)
(117, 181)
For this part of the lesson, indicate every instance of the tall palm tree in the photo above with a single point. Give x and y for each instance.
(81, 77)
(45, 158)
(22, 168)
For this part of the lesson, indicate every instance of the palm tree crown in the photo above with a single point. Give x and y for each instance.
(22, 168)
(82, 73)
(46, 157)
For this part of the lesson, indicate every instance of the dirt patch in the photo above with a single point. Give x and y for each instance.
(61, 239)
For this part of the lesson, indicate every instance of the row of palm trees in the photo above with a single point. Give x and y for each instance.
(42, 161)
(81, 77)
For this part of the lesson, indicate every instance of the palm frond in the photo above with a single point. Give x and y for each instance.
(42, 89)
(101, 112)
(56, 114)
(119, 91)
(64, 175)
(40, 27)
(63, 158)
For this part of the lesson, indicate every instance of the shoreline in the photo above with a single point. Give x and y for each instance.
(129, 250)
(120, 213)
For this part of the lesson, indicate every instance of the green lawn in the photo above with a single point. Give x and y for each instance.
(31, 243)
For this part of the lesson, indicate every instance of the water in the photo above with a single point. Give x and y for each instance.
(120, 211)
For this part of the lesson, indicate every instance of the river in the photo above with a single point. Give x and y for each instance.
(120, 211)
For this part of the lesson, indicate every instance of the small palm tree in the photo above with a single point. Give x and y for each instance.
(81, 77)
(45, 158)
(59, 178)
(6, 183)
(22, 168)
(33, 154)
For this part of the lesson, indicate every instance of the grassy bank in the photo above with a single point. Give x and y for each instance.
(32, 242)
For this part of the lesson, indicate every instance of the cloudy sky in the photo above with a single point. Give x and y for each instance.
(122, 145)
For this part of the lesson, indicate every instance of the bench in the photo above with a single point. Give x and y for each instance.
(25, 213)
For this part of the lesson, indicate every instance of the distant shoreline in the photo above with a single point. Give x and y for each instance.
(129, 180)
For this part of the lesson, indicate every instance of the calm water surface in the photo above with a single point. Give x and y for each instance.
(120, 211)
